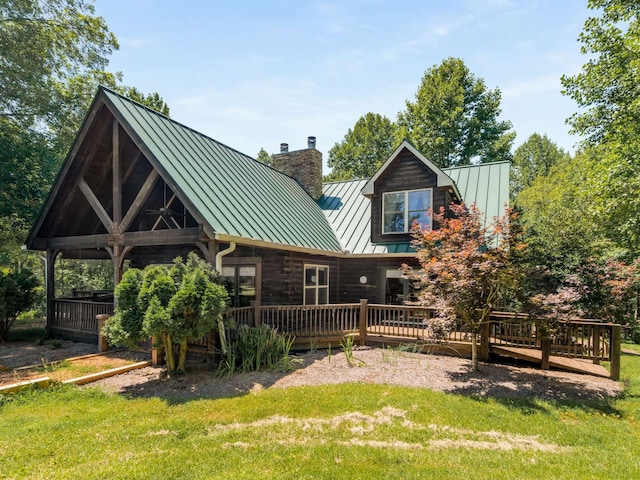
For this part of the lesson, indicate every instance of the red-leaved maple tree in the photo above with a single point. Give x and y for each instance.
(465, 267)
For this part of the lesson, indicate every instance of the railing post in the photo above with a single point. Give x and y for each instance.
(597, 333)
(103, 346)
(156, 352)
(256, 312)
(615, 352)
(545, 345)
(363, 321)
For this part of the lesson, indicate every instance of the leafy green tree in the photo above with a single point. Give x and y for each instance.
(608, 87)
(17, 295)
(532, 159)
(152, 100)
(174, 305)
(264, 157)
(364, 148)
(48, 49)
(466, 268)
(454, 118)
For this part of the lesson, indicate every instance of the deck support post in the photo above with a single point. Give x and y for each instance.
(615, 352)
(103, 345)
(363, 321)
(545, 345)
(50, 285)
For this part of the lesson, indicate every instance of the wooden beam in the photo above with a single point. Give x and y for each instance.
(117, 175)
(96, 205)
(140, 199)
(100, 240)
(66, 200)
(182, 236)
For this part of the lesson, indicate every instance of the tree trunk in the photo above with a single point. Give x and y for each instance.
(474, 351)
(183, 357)
(168, 351)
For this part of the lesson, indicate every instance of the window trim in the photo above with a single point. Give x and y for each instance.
(407, 227)
(247, 261)
(315, 287)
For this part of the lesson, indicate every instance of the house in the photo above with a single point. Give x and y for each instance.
(141, 188)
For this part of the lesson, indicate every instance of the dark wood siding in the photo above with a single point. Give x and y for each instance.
(352, 290)
(406, 172)
(283, 274)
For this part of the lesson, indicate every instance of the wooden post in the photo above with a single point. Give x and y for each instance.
(615, 352)
(103, 345)
(156, 352)
(256, 312)
(545, 345)
(50, 285)
(484, 341)
(363, 321)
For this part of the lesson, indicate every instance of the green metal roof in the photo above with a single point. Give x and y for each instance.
(486, 184)
(233, 194)
(349, 211)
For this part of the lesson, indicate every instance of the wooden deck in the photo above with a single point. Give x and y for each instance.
(563, 363)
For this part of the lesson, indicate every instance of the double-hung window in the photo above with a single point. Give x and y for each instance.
(316, 284)
(401, 209)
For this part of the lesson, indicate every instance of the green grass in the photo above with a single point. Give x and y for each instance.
(345, 431)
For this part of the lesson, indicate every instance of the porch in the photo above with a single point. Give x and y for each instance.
(579, 345)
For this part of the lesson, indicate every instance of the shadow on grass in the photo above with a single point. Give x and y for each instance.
(518, 386)
(202, 383)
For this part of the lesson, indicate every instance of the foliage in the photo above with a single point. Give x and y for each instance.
(257, 348)
(124, 328)
(174, 305)
(465, 266)
(608, 86)
(17, 295)
(532, 159)
(50, 49)
(264, 157)
(82, 274)
(563, 220)
(152, 100)
(454, 118)
(364, 148)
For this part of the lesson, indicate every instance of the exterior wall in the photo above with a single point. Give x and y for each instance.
(351, 269)
(305, 166)
(282, 281)
(405, 173)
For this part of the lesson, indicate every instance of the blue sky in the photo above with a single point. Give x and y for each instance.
(253, 74)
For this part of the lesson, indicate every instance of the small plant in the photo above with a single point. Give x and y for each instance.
(257, 348)
(55, 344)
(313, 345)
(329, 352)
(347, 347)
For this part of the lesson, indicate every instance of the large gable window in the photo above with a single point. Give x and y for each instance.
(316, 284)
(401, 209)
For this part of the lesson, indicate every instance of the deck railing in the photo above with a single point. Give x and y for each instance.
(78, 315)
(583, 339)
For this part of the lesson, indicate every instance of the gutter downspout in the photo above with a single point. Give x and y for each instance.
(219, 255)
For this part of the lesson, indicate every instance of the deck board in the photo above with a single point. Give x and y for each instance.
(564, 363)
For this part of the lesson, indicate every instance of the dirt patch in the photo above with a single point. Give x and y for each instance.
(377, 365)
(382, 366)
(21, 361)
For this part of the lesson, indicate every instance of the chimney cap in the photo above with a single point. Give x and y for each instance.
(311, 142)
(284, 147)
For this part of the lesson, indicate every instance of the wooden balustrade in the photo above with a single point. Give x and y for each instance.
(78, 315)
(582, 339)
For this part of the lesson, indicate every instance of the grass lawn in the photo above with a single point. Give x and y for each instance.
(345, 431)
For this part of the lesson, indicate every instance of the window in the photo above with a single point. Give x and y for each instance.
(316, 285)
(401, 209)
(240, 281)
(398, 288)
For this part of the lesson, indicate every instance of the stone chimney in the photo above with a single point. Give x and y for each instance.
(305, 166)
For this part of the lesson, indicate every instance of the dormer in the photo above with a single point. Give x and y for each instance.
(406, 188)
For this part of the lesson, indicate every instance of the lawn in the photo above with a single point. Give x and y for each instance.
(345, 431)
